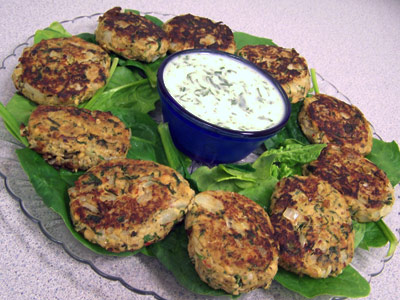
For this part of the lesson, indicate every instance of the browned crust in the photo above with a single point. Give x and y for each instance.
(194, 32)
(118, 203)
(76, 138)
(331, 120)
(365, 186)
(112, 212)
(311, 243)
(284, 64)
(69, 70)
(237, 238)
(276, 61)
(137, 27)
(131, 36)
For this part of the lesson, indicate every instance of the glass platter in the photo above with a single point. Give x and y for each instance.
(140, 274)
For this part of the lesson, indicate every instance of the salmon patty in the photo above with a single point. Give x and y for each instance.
(366, 188)
(231, 242)
(325, 119)
(131, 36)
(285, 65)
(194, 32)
(61, 71)
(75, 138)
(125, 204)
(313, 226)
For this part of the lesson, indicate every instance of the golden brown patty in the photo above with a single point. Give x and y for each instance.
(131, 36)
(193, 32)
(61, 71)
(75, 138)
(325, 119)
(231, 242)
(285, 65)
(125, 204)
(313, 226)
(366, 188)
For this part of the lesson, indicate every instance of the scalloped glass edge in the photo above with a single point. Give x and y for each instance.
(325, 87)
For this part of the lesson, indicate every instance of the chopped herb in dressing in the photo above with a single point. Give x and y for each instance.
(224, 91)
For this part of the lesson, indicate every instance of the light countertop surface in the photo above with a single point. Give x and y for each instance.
(353, 44)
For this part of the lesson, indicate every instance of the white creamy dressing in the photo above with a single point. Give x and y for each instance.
(224, 92)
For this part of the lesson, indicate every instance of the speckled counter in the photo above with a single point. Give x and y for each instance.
(353, 44)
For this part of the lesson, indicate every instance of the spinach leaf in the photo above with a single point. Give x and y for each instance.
(348, 284)
(258, 179)
(242, 39)
(373, 237)
(359, 233)
(378, 234)
(292, 155)
(146, 143)
(55, 30)
(135, 96)
(12, 125)
(149, 69)
(172, 253)
(290, 131)
(88, 37)
(122, 76)
(387, 157)
(261, 192)
(21, 108)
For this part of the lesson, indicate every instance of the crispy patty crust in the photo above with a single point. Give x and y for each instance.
(325, 119)
(61, 71)
(366, 188)
(194, 32)
(285, 65)
(130, 35)
(125, 204)
(75, 138)
(231, 242)
(313, 226)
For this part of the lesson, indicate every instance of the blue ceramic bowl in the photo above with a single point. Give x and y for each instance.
(203, 141)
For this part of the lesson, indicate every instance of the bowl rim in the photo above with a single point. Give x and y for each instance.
(210, 126)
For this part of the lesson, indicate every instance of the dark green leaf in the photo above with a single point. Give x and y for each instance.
(146, 143)
(373, 237)
(348, 284)
(387, 157)
(149, 69)
(21, 108)
(290, 131)
(172, 253)
(242, 39)
(88, 37)
(12, 125)
(122, 76)
(359, 232)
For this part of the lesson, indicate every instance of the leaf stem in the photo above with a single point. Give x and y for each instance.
(173, 155)
(389, 235)
(314, 81)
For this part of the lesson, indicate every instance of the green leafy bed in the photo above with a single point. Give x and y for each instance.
(131, 95)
